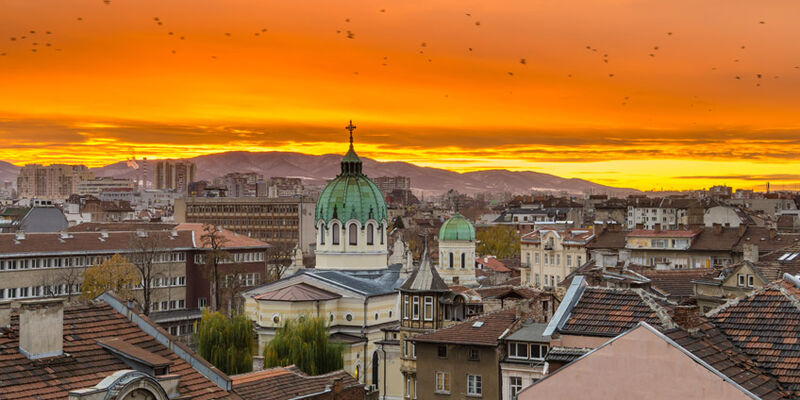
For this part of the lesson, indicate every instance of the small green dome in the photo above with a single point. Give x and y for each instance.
(457, 228)
(351, 195)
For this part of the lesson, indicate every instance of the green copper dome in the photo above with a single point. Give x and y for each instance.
(351, 195)
(457, 228)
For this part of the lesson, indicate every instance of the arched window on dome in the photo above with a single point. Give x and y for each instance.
(380, 232)
(463, 260)
(451, 259)
(321, 233)
(352, 231)
(335, 233)
(370, 235)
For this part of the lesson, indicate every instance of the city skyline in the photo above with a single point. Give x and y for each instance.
(104, 84)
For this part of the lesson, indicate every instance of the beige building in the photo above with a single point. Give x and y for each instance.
(51, 182)
(174, 175)
(550, 254)
(457, 251)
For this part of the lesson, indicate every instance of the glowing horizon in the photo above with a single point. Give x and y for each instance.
(701, 94)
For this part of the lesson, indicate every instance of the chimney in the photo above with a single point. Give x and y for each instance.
(750, 252)
(41, 328)
(19, 235)
(717, 228)
(687, 317)
(640, 226)
(657, 228)
(772, 233)
(5, 315)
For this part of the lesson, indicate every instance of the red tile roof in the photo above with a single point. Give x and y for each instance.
(298, 292)
(85, 362)
(710, 345)
(766, 326)
(678, 284)
(286, 383)
(668, 233)
(232, 239)
(480, 331)
(493, 264)
(609, 312)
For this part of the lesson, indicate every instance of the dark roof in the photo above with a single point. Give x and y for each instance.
(565, 354)
(608, 240)
(425, 278)
(766, 326)
(767, 240)
(678, 284)
(710, 345)
(44, 219)
(121, 226)
(530, 332)
(86, 362)
(368, 283)
(286, 383)
(110, 242)
(710, 240)
(298, 292)
(609, 312)
(480, 331)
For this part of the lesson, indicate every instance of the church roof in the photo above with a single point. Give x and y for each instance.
(351, 195)
(457, 228)
(425, 278)
(367, 283)
(298, 292)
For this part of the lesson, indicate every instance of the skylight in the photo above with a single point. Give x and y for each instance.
(477, 324)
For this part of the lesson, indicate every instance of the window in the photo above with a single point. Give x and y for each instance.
(415, 308)
(518, 350)
(558, 259)
(442, 382)
(474, 354)
(408, 386)
(2, 293)
(515, 383)
(352, 232)
(428, 308)
(740, 277)
(173, 304)
(202, 302)
(536, 278)
(321, 234)
(750, 280)
(348, 317)
(451, 260)
(578, 261)
(538, 351)
(536, 258)
(474, 385)
(181, 304)
(405, 307)
(528, 259)
(370, 235)
(335, 233)
(441, 351)
(569, 260)
(154, 307)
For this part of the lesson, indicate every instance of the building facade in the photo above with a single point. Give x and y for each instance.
(51, 182)
(549, 255)
(173, 174)
(457, 251)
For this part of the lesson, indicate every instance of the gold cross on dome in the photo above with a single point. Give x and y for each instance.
(350, 128)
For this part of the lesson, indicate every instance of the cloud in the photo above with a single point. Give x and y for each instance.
(766, 177)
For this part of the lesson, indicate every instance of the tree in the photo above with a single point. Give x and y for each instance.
(227, 343)
(501, 241)
(279, 257)
(116, 273)
(215, 242)
(146, 247)
(305, 344)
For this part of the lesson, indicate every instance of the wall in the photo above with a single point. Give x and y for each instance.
(458, 365)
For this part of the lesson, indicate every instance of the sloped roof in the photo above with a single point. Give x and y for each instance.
(425, 278)
(297, 293)
(87, 362)
(530, 332)
(565, 354)
(480, 331)
(367, 283)
(766, 326)
(282, 383)
(492, 263)
(232, 239)
(609, 312)
(710, 345)
(677, 283)
(608, 240)
(44, 219)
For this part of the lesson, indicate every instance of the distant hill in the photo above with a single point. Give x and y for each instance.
(318, 169)
(8, 172)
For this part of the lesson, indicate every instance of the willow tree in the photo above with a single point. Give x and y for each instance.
(226, 342)
(305, 344)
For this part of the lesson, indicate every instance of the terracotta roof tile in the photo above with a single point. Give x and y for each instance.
(677, 283)
(481, 331)
(286, 382)
(298, 292)
(610, 312)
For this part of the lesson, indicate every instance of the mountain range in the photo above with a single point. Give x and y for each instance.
(317, 169)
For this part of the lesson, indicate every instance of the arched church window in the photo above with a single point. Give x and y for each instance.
(353, 232)
(370, 234)
(380, 232)
(375, 370)
(321, 234)
(451, 260)
(463, 261)
(335, 233)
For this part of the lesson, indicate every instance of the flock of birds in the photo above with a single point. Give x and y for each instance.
(39, 41)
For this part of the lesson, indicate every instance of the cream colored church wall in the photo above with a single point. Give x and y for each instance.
(347, 256)
(466, 275)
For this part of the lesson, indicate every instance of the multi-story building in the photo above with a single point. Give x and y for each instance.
(674, 249)
(39, 265)
(278, 186)
(51, 182)
(550, 254)
(96, 186)
(240, 184)
(524, 363)
(457, 251)
(389, 183)
(669, 213)
(173, 174)
(279, 221)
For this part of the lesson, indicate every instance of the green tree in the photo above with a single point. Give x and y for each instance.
(116, 273)
(501, 241)
(305, 344)
(226, 342)
(214, 241)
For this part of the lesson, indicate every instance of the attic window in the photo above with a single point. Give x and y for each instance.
(477, 324)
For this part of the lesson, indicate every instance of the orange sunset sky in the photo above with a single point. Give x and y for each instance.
(648, 94)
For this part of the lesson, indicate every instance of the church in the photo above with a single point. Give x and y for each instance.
(352, 286)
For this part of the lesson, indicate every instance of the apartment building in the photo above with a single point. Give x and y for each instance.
(279, 221)
(174, 174)
(51, 182)
(669, 213)
(550, 254)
